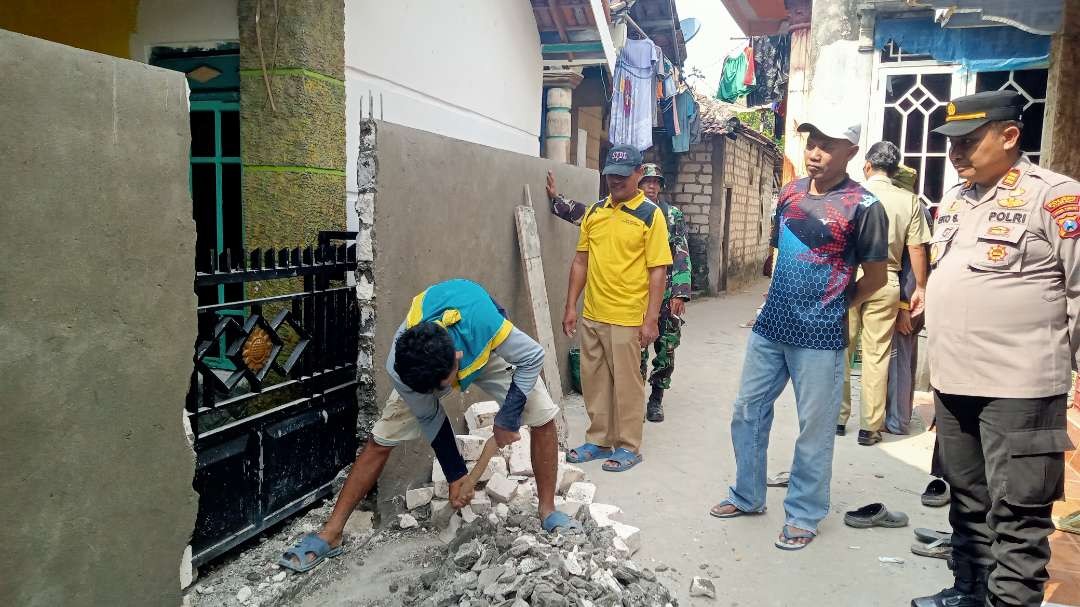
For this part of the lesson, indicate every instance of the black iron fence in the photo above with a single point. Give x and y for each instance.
(272, 403)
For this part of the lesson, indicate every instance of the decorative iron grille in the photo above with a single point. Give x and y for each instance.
(272, 404)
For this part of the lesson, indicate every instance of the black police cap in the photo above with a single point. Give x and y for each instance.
(965, 114)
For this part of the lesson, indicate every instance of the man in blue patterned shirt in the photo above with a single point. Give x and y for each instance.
(826, 226)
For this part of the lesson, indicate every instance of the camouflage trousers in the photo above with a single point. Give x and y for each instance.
(664, 347)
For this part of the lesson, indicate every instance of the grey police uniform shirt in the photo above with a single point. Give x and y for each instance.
(1001, 302)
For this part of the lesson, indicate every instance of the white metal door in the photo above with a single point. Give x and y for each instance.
(908, 102)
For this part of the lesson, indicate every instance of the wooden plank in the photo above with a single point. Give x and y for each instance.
(533, 264)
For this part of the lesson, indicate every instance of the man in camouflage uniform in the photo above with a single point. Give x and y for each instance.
(678, 285)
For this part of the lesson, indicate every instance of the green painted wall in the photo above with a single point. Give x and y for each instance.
(292, 117)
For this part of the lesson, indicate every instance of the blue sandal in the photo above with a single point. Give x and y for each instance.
(559, 520)
(587, 453)
(624, 460)
(313, 544)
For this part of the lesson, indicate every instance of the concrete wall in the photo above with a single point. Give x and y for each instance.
(705, 174)
(196, 23)
(840, 76)
(445, 208)
(469, 70)
(98, 321)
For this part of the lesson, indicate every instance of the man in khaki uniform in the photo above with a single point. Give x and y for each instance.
(1001, 312)
(877, 315)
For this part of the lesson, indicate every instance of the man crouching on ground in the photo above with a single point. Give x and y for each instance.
(454, 336)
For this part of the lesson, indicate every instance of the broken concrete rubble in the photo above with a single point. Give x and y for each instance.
(481, 415)
(700, 586)
(470, 446)
(581, 492)
(501, 489)
(414, 498)
(508, 560)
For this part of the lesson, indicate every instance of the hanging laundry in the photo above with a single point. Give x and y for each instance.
(732, 81)
(633, 99)
(771, 70)
(749, 79)
(686, 110)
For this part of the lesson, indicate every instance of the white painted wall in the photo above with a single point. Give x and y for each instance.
(843, 81)
(183, 22)
(467, 69)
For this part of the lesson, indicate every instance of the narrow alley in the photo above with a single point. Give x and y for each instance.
(688, 464)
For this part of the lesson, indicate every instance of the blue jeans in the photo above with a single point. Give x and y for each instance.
(818, 377)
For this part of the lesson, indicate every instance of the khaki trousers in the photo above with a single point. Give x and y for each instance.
(877, 319)
(613, 387)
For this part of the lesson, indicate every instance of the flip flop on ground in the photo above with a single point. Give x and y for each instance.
(587, 453)
(622, 460)
(797, 539)
(782, 479)
(311, 546)
(726, 509)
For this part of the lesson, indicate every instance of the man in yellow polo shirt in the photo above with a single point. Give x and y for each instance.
(621, 263)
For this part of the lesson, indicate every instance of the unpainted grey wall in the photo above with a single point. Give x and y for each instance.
(445, 209)
(97, 318)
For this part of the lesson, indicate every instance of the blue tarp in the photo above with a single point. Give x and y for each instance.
(978, 49)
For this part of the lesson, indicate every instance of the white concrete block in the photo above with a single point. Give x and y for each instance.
(524, 497)
(481, 414)
(569, 507)
(485, 433)
(581, 492)
(496, 465)
(468, 515)
(502, 510)
(414, 498)
(470, 446)
(568, 475)
(501, 489)
(407, 521)
(603, 514)
(438, 479)
(451, 530)
(520, 458)
(441, 513)
(629, 534)
(481, 503)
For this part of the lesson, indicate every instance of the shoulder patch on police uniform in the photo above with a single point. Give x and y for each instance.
(1066, 213)
(1011, 178)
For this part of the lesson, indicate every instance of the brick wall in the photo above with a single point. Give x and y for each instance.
(708, 174)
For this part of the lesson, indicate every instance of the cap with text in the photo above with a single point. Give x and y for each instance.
(622, 160)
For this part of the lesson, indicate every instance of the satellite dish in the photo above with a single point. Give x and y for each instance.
(690, 27)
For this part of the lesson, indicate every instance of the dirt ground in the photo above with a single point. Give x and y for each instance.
(689, 464)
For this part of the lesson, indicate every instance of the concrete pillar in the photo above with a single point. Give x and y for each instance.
(558, 123)
(292, 120)
(1061, 138)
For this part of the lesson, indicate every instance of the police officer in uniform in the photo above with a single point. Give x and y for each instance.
(1001, 313)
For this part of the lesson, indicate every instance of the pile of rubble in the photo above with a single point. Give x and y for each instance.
(504, 559)
(507, 483)
(497, 553)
